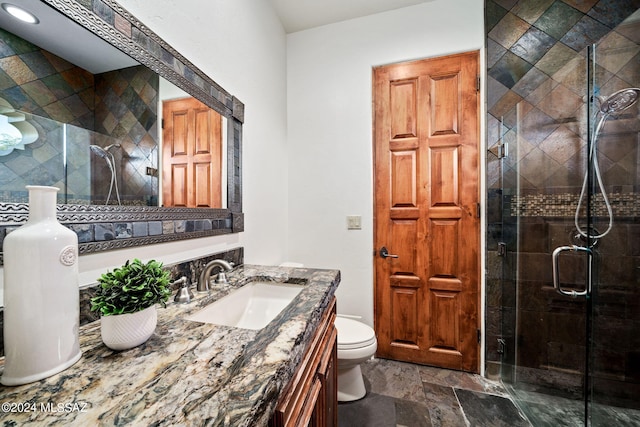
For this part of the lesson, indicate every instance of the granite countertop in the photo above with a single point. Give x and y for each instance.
(187, 373)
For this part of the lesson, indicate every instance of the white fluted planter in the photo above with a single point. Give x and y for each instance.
(125, 331)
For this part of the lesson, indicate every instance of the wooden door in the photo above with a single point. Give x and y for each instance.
(191, 154)
(426, 211)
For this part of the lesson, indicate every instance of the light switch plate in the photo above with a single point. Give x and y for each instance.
(354, 222)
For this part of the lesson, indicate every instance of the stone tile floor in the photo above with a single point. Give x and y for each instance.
(404, 394)
(555, 411)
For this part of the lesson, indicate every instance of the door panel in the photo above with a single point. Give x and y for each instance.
(404, 97)
(404, 307)
(444, 104)
(426, 186)
(403, 172)
(179, 188)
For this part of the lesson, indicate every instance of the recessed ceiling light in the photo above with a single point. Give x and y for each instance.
(20, 13)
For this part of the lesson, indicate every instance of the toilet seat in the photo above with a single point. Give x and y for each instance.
(353, 334)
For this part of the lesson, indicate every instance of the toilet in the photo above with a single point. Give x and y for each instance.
(356, 344)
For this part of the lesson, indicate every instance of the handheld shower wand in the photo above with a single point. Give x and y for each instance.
(612, 105)
(106, 154)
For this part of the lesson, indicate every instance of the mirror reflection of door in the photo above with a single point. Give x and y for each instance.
(191, 154)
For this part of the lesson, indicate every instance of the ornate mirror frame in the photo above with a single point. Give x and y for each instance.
(102, 228)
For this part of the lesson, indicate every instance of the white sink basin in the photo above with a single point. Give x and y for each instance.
(252, 306)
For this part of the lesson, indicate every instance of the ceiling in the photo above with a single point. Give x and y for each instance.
(91, 53)
(96, 56)
(298, 15)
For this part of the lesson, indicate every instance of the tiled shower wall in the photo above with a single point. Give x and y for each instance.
(121, 104)
(35, 81)
(127, 111)
(536, 103)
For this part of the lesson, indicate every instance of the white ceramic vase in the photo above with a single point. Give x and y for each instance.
(41, 295)
(125, 331)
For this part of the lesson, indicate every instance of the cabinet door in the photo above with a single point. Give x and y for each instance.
(328, 375)
(311, 398)
(312, 415)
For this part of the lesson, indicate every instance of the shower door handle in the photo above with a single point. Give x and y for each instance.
(556, 270)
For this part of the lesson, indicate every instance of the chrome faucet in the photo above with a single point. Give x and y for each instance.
(203, 281)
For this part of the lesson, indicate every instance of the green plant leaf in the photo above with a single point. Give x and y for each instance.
(131, 288)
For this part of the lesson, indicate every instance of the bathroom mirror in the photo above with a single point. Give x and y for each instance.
(112, 24)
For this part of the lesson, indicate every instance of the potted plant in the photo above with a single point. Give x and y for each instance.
(126, 299)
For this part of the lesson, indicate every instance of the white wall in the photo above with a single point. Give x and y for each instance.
(242, 46)
(329, 129)
(297, 210)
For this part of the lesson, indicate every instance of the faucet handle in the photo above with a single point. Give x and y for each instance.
(221, 278)
(184, 294)
(181, 281)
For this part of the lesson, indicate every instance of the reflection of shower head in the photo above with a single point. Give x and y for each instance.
(620, 100)
(98, 151)
(111, 163)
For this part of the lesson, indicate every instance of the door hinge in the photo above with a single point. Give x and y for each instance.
(478, 210)
(499, 150)
(502, 346)
(478, 83)
(162, 124)
(479, 336)
(502, 249)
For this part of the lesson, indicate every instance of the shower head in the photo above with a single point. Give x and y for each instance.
(98, 151)
(620, 100)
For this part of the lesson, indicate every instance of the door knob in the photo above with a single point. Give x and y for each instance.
(384, 253)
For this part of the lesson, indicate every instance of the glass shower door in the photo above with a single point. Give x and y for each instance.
(569, 218)
(553, 262)
(614, 347)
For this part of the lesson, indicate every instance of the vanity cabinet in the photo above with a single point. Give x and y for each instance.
(311, 398)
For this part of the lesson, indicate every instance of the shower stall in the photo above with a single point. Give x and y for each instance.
(563, 242)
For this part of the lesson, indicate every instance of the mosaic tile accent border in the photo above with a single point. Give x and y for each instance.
(564, 205)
